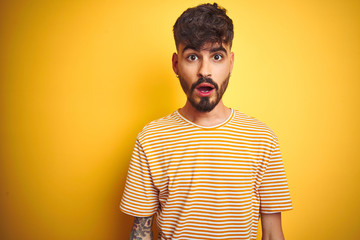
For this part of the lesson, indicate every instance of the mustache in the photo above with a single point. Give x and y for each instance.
(204, 80)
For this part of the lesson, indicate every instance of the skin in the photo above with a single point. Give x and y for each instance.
(213, 61)
(271, 227)
(216, 62)
(142, 229)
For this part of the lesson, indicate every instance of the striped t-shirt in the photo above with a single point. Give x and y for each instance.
(206, 182)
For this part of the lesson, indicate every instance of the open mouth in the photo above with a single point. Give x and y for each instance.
(205, 87)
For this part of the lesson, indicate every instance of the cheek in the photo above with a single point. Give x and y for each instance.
(222, 72)
(188, 70)
(188, 78)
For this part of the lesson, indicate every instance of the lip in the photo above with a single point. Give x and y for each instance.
(204, 94)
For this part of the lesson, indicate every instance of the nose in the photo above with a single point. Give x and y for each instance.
(204, 69)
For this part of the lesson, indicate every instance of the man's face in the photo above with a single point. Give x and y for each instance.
(204, 73)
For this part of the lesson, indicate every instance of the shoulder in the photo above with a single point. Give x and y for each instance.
(160, 126)
(243, 122)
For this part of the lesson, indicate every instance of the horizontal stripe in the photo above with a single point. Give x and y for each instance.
(206, 182)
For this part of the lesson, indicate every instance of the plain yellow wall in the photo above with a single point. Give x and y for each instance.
(79, 79)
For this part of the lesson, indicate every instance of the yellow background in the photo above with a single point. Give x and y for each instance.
(79, 79)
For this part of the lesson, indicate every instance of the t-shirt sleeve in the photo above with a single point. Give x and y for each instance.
(274, 191)
(140, 197)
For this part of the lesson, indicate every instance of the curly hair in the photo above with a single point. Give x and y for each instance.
(206, 23)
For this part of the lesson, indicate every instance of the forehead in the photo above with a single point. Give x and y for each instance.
(205, 47)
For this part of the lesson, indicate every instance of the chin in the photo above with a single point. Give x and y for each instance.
(204, 104)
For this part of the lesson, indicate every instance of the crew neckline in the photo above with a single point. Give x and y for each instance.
(207, 127)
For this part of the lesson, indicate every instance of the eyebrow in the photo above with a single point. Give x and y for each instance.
(189, 47)
(217, 49)
(221, 49)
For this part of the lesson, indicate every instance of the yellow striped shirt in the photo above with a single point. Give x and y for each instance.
(206, 182)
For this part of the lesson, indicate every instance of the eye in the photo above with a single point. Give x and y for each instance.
(192, 57)
(217, 57)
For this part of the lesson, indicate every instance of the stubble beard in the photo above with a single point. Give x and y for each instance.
(205, 104)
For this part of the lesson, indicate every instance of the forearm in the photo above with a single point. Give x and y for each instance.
(272, 238)
(271, 227)
(142, 229)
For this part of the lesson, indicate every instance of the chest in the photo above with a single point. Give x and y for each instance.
(222, 159)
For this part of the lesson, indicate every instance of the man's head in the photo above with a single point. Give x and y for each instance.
(206, 23)
(204, 61)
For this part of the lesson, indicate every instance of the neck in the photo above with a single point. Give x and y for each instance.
(207, 119)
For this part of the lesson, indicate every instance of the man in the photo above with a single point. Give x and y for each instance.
(206, 171)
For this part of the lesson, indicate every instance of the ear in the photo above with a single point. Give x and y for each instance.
(175, 63)
(231, 61)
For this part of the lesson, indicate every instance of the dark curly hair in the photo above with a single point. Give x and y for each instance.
(206, 23)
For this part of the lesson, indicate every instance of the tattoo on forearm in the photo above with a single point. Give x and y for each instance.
(142, 228)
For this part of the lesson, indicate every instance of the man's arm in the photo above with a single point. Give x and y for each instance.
(271, 226)
(142, 229)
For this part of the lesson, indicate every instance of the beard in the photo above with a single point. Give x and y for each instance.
(204, 104)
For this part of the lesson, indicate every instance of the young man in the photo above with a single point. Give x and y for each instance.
(206, 171)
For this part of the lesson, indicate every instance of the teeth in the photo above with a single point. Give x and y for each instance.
(204, 89)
